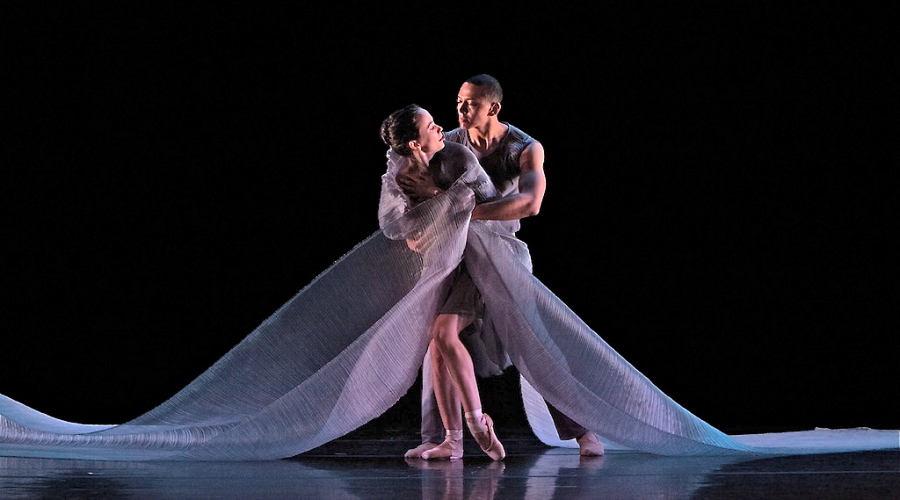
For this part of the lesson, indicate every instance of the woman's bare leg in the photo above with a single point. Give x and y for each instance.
(457, 362)
(445, 393)
(448, 400)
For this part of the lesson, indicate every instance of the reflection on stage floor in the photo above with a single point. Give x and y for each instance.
(369, 467)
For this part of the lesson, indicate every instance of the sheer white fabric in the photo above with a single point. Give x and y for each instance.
(349, 345)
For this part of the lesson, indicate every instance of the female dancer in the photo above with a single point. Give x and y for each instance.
(412, 134)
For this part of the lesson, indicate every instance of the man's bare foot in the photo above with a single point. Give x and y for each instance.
(589, 445)
(418, 450)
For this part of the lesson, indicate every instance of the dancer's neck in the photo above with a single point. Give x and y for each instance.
(421, 159)
(486, 138)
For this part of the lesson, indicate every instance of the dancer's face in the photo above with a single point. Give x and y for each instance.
(431, 135)
(472, 107)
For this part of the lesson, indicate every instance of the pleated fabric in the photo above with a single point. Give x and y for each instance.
(350, 344)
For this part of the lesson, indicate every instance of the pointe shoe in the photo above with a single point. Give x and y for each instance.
(450, 448)
(495, 448)
(589, 445)
(418, 450)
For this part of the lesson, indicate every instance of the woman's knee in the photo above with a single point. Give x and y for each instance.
(445, 331)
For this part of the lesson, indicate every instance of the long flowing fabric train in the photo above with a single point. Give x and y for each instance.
(349, 345)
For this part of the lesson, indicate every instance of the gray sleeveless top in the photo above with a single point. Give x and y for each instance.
(502, 164)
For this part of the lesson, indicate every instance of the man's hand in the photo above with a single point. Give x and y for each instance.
(417, 184)
(532, 185)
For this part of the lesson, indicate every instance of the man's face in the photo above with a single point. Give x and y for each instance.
(431, 135)
(472, 107)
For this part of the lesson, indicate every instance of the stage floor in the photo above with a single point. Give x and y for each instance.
(371, 467)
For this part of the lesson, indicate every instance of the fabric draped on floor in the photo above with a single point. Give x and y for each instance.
(350, 344)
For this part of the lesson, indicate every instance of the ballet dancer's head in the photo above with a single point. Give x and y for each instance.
(411, 130)
(478, 102)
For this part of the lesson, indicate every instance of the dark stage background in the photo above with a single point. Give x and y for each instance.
(172, 174)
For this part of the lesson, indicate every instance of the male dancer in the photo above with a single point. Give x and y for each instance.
(515, 163)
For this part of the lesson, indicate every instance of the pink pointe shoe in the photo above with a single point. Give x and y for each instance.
(451, 448)
(418, 450)
(495, 448)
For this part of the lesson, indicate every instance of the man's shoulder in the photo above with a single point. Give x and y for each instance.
(455, 150)
(457, 135)
(519, 134)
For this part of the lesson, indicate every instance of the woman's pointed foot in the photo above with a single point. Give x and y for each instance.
(488, 441)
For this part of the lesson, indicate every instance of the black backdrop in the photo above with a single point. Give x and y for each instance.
(174, 173)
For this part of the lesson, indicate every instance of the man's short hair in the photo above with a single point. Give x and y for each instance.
(489, 85)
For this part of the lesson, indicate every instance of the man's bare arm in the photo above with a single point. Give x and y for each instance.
(527, 201)
(417, 184)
